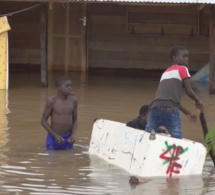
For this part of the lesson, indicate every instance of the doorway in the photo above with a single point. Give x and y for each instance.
(67, 37)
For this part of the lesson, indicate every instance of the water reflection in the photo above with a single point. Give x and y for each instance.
(3, 124)
(27, 168)
(155, 186)
(59, 175)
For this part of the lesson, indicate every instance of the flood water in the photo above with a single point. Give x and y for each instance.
(27, 168)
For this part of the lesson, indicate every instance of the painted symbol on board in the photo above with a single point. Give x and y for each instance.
(170, 156)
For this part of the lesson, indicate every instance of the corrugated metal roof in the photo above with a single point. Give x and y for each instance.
(131, 1)
(150, 1)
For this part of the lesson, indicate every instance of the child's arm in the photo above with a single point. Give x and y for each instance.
(75, 121)
(192, 95)
(44, 121)
(192, 118)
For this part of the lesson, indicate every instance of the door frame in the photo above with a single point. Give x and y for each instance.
(84, 44)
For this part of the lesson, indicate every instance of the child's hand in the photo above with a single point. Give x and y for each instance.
(192, 118)
(133, 180)
(200, 106)
(71, 140)
(59, 139)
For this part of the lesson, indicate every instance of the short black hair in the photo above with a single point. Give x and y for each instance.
(61, 80)
(175, 49)
(144, 110)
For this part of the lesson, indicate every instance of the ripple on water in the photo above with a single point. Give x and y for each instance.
(74, 172)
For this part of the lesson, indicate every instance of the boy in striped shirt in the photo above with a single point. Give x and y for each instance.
(164, 110)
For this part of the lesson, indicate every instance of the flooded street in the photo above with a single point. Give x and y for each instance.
(27, 168)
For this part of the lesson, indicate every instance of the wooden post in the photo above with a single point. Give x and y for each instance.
(211, 48)
(67, 38)
(87, 38)
(84, 43)
(50, 37)
(43, 46)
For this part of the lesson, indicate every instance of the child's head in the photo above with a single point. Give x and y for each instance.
(144, 110)
(143, 113)
(61, 80)
(179, 55)
(64, 86)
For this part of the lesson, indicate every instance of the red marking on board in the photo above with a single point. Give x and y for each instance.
(174, 156)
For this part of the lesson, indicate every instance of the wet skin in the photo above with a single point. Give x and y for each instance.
(62, 109)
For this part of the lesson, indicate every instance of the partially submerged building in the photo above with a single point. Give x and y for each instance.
(110, 36)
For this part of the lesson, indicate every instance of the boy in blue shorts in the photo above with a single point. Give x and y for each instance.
(62, 109)
(164, 110)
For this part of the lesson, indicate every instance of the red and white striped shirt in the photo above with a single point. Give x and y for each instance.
(170, 87)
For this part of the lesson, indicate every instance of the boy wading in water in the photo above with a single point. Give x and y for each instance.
(164, 110)
(62, 109)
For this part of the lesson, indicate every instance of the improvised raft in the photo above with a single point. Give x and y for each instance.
(143, 154)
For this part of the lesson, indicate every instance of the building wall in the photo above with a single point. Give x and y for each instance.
(24, 36)
(134, 37)
(119, 36)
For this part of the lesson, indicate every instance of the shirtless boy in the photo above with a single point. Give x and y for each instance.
(62, 109)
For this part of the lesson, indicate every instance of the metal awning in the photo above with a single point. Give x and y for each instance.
(130, 1)
(153, 1)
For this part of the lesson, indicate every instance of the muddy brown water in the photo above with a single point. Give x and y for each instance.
(27, 168)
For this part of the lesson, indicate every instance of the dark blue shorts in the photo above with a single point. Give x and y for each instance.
(168, 117)
(51, 144)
